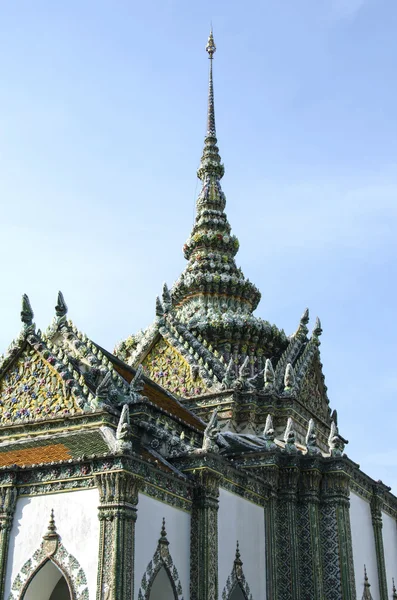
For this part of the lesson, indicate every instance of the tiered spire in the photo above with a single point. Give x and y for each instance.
(211, 280)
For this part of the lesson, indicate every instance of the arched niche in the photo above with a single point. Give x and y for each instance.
(51, 565)
(238, 594)
(236, 587)
(48, 583)
(161, 579)
(162, 587)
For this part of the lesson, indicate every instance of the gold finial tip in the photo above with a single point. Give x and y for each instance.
(210, 47)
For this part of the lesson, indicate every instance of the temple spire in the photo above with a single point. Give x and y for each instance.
(210, 161)
(211, 49)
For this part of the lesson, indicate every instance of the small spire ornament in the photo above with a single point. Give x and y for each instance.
(51, 537)
(366, 594)
(210, 47)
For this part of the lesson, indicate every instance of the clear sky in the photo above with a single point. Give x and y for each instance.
(102, 121)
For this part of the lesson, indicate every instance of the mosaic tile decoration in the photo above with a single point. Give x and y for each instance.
(32, 389)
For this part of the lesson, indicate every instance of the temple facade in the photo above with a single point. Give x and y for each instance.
(199, 460)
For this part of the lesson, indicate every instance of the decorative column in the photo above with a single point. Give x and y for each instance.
(376, 512)
(311, 577)
(8, 497)
(337, 551)
(117, 514)
(287, 526)
(204, 537)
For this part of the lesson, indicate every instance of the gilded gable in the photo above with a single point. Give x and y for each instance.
(169, 369)
(31, 389)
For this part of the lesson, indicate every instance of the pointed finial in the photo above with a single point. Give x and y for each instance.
(311, 439)
(26, 312)
(51, 529)
(238, 563)
(367, 594)
(124, 433)
(61, 307)
(163, 541)
(268, 433)
(210, 163)
(289, 377)
(269, 373)
(167, 300)
(159, 308)
(210, 47)
(289, 436)
(163, 531)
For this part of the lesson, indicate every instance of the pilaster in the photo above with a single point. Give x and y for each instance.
(8, 497)
(287, 528)
(311, 575)
(204, 537)
(117, 514)
(376, 512)
(270, 475)
(337, 551)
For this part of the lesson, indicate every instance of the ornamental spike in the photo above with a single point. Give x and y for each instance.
(289, 377)
(211, 49)
(27, 311)
(167, 300)
(268, 432)
(269, 373)
(51, 529)
(367, 594)
(61, 307)
(210, 161)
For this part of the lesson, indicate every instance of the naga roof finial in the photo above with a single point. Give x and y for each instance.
(26, 311)
(61, 307)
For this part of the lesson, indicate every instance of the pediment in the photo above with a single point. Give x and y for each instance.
(313, 392)
(167, 367)
(31, 389)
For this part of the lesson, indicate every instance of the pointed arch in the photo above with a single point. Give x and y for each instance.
(52, 550)
(236, 581)
(161, 560)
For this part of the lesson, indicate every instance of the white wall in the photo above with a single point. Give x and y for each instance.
(76, 519)
(390, 548)
(241, 520)
(147, 534)
(364, 552)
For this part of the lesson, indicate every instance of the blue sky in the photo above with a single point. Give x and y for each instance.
(102, 120)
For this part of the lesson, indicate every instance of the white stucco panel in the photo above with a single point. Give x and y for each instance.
(76, 519)
(242, 521)
(363, 540)
(389, 531)
(147, 534)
